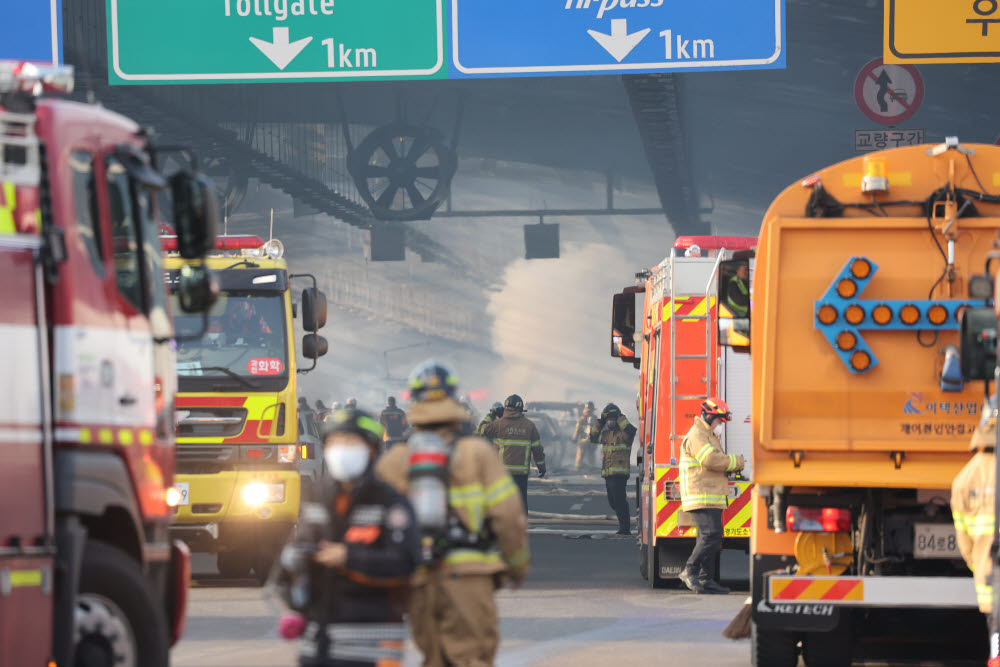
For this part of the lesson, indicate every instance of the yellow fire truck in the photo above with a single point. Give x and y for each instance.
(237, 436)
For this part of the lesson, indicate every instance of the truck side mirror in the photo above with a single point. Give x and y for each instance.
(734, 304)
(196, 213)
(624, 310)
(197, 289)
(313, 309)
(314, 346)
(978, 343)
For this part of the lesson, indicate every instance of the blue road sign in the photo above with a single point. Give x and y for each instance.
(32, 30)
(558, 37)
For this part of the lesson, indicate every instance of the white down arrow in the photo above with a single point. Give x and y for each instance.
(619, 43)
(281, 51)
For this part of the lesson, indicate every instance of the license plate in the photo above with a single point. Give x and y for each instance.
(184, 488)
(935, 540)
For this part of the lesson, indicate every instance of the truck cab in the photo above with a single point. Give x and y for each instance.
(87, 568)
(237, 410)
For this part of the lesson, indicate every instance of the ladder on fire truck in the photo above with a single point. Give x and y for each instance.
(706, 380)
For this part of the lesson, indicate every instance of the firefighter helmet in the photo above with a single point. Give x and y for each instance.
(610, 411)
(715, 408)
(391, 401)
(432, 381)
(358, 422)
(496, 409)
(514, 402)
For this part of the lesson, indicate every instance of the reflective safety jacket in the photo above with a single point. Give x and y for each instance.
(383, 549)
(479, 492)
(738, 296)
(583, 427)
(487, 420)
(972, 511)
(703, 464)
(616, 446)
(517, 438)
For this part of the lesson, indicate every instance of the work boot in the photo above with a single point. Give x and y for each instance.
(713, 587)
(689, 581)
(623, 531)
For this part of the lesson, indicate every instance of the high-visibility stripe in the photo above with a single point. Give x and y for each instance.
(703, 454)
(470, 498)
(984, 594)
(817, 589)
(518, 558)
(736, 518)
(25, 578)
(499, 491)
(8, 201)
(973, 525)
(461, 556)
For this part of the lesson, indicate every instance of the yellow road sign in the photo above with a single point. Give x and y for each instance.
(942, 31)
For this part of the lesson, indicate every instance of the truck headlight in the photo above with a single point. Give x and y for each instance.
(255, 494)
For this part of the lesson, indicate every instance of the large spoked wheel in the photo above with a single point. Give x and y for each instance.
(403, 172)
(118, 621)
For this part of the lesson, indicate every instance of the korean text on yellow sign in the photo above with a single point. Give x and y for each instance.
(942, 31)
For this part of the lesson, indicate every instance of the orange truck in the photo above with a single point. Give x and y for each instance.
(860, 416)
(666, 327)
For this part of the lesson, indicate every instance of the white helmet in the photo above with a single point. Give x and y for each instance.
(693, 251)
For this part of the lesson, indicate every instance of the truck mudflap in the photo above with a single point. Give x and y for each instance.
(672, 521)
(781, 617)
(177, 589)
(909, 592)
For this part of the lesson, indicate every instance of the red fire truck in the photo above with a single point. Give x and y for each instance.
(88, 575)
(672, 339)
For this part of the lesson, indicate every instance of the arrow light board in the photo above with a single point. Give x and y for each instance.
(841, 316)
(218, 41)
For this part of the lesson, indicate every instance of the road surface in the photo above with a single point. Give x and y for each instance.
(583, 604)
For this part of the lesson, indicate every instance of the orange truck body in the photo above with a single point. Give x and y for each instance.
(850, 414)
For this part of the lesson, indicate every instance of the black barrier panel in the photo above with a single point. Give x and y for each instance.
(541, 241)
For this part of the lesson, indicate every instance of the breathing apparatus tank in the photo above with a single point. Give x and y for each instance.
(429, 455)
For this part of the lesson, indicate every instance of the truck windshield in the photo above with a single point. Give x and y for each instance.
(244, 349)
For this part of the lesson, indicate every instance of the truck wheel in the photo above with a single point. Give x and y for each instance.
(827, 649)
(235, 564)
(118, 621)
(263, 562)
(771, 648)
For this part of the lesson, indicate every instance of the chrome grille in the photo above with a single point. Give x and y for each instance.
(210, 422)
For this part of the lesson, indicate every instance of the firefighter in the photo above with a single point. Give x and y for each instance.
(972, 507)
(496, 411)
(738, 292)
(517, 440)
(352, 404)
(581, 435)
(452, 612)
(393, 420)
(347, 571)
(321, 411)
(705, 492)
(615, 434)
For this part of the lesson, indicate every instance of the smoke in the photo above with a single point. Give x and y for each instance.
(551, 327)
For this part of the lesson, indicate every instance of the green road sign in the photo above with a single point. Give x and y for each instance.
(218, 41)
